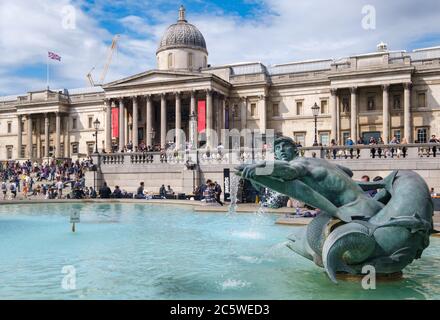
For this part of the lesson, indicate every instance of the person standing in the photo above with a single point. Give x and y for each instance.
(434, 148)
(4, 190)
(59, 185)
(13, 188)
(218, 192)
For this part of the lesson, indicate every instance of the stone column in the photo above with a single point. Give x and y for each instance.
(38, 136)
(353, 114)
(67, 137)
(163, 120)
(178, 120)
(121, 124)
(108, 125)
(263, 114)
(193, 103)
(223, 113)
(149, 121)
(46, 136)
(135, 123)
(218, 114)
(58, 135)
(407, 112)
(243, 114)
(209, 118)
(333, 113)
(19, 136)
(385, 114)
(126, 126)
(29, 146)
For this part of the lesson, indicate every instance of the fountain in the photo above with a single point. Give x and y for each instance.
(386, 232)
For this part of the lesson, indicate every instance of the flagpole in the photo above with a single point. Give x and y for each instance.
(47, 79)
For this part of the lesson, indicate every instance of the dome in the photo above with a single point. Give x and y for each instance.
(182, 35)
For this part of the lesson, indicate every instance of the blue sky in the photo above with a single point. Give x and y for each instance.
(270, 31)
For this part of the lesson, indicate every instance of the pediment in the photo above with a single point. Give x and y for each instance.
(154, 76)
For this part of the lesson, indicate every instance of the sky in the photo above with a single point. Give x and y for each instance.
(269, 31)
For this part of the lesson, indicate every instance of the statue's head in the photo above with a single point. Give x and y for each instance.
(285, 149)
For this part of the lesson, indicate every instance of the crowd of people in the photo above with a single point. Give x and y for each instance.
(394, 148)
(46, 179)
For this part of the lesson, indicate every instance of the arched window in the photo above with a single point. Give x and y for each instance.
(170, 60)
(190, 60)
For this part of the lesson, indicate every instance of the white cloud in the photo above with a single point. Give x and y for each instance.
(285, 31)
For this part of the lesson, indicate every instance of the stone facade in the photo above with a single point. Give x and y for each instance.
(384, 93)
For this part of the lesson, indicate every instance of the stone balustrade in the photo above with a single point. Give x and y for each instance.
(366, 152)
(243, 155)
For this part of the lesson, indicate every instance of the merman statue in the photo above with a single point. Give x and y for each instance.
(353, 230)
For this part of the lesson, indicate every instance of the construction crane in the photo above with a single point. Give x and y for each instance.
(110, 53)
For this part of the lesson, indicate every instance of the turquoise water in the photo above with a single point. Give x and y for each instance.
(136, 251)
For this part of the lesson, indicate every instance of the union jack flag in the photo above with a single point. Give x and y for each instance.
(54, 56)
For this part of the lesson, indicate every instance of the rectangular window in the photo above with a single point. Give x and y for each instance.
(253, 109)
(22, 151)
(396, 102)
(300, 138)
(75, 148)
(90, 122)
(9, 152)
(324, 138)
(422, 135)
(74, 123)
(371, 103)
(275, 110)
(34, 150)
(299, 108)
(190, 60)
(22, 126)
(421, 100)
(324, 106)
(345, 136)
(9, 127)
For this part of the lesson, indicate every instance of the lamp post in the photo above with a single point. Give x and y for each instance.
(96, 124)
(315, 110)
(193, 130)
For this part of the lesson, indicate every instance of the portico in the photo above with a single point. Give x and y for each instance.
(152, 111)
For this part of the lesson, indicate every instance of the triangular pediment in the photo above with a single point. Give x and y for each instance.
(154, 76)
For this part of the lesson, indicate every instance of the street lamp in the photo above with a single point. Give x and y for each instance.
(315, 110)
(96, 124)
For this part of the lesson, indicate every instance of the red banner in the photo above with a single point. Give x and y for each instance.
(115, 122)
(201, 116)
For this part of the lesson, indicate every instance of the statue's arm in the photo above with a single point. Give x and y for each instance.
(346, 170)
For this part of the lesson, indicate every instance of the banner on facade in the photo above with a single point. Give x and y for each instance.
(115, 122)
(227, 184)
(201, 116)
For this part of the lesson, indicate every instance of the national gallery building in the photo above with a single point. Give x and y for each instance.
(380, 94)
